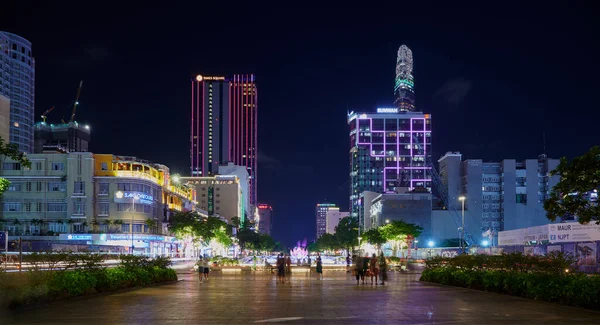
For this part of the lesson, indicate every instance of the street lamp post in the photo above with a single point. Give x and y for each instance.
(132, 216)
(120, 195)
(462, 229)
(430, 244)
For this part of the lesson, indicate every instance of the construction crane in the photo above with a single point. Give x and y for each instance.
(76, 101)
(437, 182)
(46, 113)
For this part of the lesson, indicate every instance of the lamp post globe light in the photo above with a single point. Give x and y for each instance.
(462, 228)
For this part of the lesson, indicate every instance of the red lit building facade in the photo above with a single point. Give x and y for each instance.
(224, 126)
(265, 219)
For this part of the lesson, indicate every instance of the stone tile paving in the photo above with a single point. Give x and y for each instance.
(257, 299)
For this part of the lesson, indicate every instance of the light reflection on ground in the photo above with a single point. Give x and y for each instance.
(246, 298)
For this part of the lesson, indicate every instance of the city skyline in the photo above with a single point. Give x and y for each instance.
(474, 81)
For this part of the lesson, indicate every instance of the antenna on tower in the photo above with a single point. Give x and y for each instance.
(544, 139)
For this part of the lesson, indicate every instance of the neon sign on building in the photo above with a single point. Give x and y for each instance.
(387, 110)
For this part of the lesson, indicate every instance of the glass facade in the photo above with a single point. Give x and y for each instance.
(388, 151)
(17, 82)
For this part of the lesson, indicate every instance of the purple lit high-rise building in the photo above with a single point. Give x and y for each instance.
(390, 149)
(224, 126)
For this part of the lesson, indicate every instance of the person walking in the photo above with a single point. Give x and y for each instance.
(200, 268)
(319, 267)
(374, 268)
(358, 267)
(206, 268)
(348, 263)
(366, 260)
(383, 268)
(280, 268)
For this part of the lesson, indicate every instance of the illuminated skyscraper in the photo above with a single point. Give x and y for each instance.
(404, 87)
(17, 83)
(321, 214)
(224, 126)
(388, 153)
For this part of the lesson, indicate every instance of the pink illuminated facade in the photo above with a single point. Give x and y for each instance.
(224, 126)
(389, 151)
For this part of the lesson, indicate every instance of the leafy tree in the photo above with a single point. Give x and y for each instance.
(11, 151)
(235, 221)
(328, 242)
(578, 178)
(374, 237)
(399, 231)
(313, 247)
(346, 232)
(222, 237)
(266, 243)
(248, 238)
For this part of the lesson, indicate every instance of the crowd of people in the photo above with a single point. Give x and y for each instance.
(373, 267)
(363, 267)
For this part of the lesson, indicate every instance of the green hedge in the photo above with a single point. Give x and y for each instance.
(40, 286)
(546, 278)
(572, 289)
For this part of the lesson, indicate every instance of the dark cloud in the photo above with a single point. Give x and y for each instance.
(454, 90)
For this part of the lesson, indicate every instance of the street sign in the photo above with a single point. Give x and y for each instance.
(4, 241)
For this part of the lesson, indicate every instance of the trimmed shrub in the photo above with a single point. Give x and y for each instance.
(539, 278)
(90, 277)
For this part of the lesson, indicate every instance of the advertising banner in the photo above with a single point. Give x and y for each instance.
(511, 237)
(573, 232)
(586, 254)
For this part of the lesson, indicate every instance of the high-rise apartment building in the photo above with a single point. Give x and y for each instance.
(333, 217)
(264, 219)
(17, 82)
(4, 118)
(321, 214)
(404, 87)
(219, 195)
(388, 153)
(224, 126)
(501, 195)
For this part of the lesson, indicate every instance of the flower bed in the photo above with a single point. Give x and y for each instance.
(541, 278)
(38, 285)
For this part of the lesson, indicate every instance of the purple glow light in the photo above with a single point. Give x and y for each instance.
(397, 155)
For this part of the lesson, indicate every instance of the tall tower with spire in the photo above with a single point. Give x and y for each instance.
(404, 87)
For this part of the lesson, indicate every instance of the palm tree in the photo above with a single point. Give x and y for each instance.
(70, 223)
(118, 223)
(108, 223)
(151, 223)
(95, 224)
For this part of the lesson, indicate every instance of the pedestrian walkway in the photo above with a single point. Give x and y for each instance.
(256, 298)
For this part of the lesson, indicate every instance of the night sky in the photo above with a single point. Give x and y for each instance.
(493, 78)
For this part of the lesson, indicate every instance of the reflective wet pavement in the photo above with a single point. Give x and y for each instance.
(256, 298)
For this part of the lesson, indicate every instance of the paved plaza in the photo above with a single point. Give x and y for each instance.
(256, 299)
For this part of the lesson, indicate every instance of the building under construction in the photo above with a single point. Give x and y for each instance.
(65, 137)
